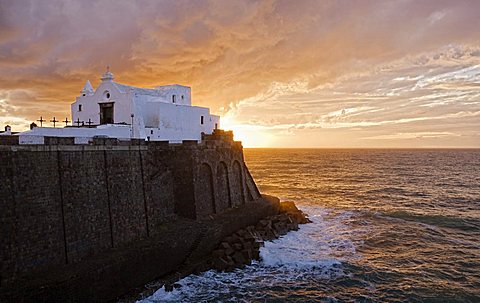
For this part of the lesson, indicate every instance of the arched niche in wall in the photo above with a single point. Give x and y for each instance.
(224, 199)
(237, 184)
(205, 202)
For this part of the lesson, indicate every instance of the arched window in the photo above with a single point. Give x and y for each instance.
(174, 98)
(106, 95)
(79, 107)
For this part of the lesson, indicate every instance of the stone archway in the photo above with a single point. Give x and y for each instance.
(224, 199)
(205, 198)
(237, 184)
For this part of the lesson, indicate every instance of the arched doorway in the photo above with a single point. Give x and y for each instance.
(224, 200)
(237, 185)
(205, 199)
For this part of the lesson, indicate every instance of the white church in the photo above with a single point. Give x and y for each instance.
(114, 110)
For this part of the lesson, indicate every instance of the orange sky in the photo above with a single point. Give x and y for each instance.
(280, 73)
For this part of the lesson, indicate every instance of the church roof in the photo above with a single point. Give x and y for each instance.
(157, 92)
(88, 88)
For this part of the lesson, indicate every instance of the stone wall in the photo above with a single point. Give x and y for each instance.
(62, 203)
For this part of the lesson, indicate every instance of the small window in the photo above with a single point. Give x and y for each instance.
(84, 95)
(174, 98)
(182, 97)
(79, 107)
(201, 119)
(151, 132)
(216, 125)
(106, 95)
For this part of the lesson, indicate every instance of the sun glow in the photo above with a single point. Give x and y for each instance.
(250, 135)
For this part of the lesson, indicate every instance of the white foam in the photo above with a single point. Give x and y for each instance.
(316, 251)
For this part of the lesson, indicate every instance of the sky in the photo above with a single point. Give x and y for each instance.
(281, 73)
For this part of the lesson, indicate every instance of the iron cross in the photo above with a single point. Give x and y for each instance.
(41, 121)
(89, 122)
(78, 122)
(54, 121)
(66, 121)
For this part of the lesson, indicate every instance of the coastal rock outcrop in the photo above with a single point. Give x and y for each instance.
(240, 248)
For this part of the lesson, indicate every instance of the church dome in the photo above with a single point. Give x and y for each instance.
(107, 76)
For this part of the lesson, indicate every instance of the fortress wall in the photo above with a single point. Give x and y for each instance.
(31, 219)
(7, 214)
(86, 203)
(158, 186)
(182, 165)
(60, 204)
(126, 196)
(218, 179)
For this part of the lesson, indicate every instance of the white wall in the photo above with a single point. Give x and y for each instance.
(82, 134)
(176, 122)
(155, 116)
(91, 108)
(183, 94)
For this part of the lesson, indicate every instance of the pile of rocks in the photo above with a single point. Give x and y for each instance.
(240, 248)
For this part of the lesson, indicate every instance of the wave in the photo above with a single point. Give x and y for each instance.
(314, 253)
(465, 224)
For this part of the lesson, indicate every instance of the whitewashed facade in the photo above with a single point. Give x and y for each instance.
(164, 113)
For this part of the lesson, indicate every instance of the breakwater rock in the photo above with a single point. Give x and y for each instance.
(235, 249)
(243, 246)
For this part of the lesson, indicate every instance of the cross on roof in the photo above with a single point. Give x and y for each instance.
(66, 121)
(41, 121)
(54, 121)
(78, 122)
(90, 122)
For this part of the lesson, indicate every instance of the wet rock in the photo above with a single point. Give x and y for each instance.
(243, 246)
(238, 258)
(237, 246)
(168, 287)
(227, 248)
(218, 253)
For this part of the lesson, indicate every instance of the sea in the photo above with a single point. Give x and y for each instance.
(388, 226)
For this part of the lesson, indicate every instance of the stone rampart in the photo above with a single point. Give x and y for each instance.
(62, 203)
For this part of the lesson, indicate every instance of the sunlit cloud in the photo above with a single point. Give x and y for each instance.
(281, 73)
(417, 135)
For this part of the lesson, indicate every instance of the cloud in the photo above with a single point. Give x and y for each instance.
(402, 97)
(417, 135)
(436, 16)
(273, 63)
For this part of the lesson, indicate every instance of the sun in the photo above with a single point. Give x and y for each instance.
(252, 136)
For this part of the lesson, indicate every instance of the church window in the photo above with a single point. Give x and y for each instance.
(79, 107)
(174, 98)
(84, 95)
(182, 97)
(151, 132)
(201, 119)
(106, 95)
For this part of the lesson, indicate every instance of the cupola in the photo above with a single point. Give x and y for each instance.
(107, 76)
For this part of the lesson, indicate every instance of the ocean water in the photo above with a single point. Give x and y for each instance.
(388, 226)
